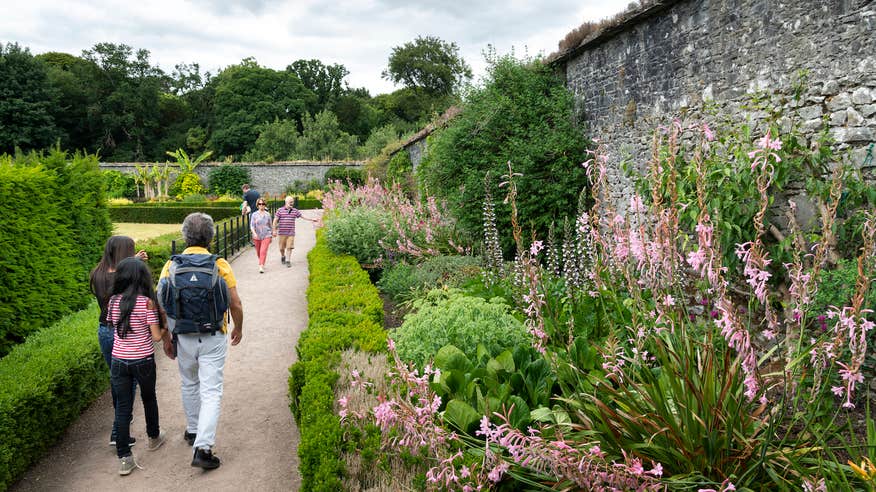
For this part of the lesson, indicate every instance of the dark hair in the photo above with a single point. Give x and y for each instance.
(117, 248)
(132, 279)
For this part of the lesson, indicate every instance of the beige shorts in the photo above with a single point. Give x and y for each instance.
(286, 242)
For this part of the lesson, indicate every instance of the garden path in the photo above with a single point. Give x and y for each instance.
(257, 438)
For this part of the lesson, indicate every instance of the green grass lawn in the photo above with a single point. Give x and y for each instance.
(140, 232)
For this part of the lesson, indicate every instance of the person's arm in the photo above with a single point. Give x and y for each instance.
(236, 308)
(274, 224)
(157, 331)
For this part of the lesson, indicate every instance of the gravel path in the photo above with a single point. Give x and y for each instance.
(257, 438)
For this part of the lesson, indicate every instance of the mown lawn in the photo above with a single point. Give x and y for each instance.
(140, 232)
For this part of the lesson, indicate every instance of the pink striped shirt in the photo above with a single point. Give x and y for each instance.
(137, 343)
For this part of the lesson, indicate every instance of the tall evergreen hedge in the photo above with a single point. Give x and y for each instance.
(53, 225)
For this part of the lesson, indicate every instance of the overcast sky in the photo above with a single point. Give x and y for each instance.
(357, 34)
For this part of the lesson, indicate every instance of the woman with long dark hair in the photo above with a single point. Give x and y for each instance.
(134, 316)
(117, 248)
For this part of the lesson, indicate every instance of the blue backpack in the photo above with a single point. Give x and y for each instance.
(194, 295)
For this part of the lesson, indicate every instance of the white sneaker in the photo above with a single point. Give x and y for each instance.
(261, 269)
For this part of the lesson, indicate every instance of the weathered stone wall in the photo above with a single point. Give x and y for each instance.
(266, 178)
(673, 56)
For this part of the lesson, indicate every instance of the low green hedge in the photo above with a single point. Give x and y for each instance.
(345, 311)
(45, 385)
(307, 203)
(163, 214)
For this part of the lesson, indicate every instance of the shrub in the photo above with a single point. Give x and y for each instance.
(187, 184)
(358, 233)
(344, 312)
(402, 280)
(227, 179)
(447, 317)
(345, 174)
(119, 184)
(45, 385)
(523, 115)
(45, 274)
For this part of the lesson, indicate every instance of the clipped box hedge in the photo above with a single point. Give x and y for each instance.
(45, 385)
(307, 203)
(161, 214)
(345, 311)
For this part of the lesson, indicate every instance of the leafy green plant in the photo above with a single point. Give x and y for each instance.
(227, 179)
(402, 280)
(358, 233)
(447, 317)
(118, 184)
(477, 387)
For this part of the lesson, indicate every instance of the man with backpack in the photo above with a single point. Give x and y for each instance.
(197, 290)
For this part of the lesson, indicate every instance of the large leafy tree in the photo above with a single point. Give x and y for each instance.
(325, 81)
(522, 115)
(124, 111)
(26, 101)
(429, 64)
(248, 95)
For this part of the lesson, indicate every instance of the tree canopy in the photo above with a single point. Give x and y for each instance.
(428, 63)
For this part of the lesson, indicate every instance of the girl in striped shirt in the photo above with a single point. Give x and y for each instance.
(133, 314)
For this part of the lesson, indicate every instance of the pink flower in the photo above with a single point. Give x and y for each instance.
(498, 472)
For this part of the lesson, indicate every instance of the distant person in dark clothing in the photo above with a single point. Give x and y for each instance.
(251, 197)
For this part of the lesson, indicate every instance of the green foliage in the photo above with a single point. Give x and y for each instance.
(473, 387)
(187, 184)
(447, 317)
(276, 142)
(227, 179)
(308, 204)
(45, 385)
(378, 140)
(359, 233)
(322, 139)
(161, 213)
(523, 115)
(346, 175)
(325, 81)
(122, 91)
(47, 277)
(119, 184)
(185, 163)
(428, 63)
(344, 311)
(248, 95)
(836, 287)
(26, 101)
(402, 280)
(687, 412)
(400, 169)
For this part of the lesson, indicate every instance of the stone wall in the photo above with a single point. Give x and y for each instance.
(670, 58)
(266, 178)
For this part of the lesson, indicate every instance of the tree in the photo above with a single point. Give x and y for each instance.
(322, 139)
(26, 101)
(325, 81)
(124, 112)
(429, 64)
(247, 96)
(524, 115)
(276, 142)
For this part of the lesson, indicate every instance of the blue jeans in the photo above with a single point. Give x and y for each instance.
(105, 338)
(123, 374)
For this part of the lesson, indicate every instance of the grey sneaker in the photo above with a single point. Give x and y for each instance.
(155, 442)
(127, 464)
(288, 264)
